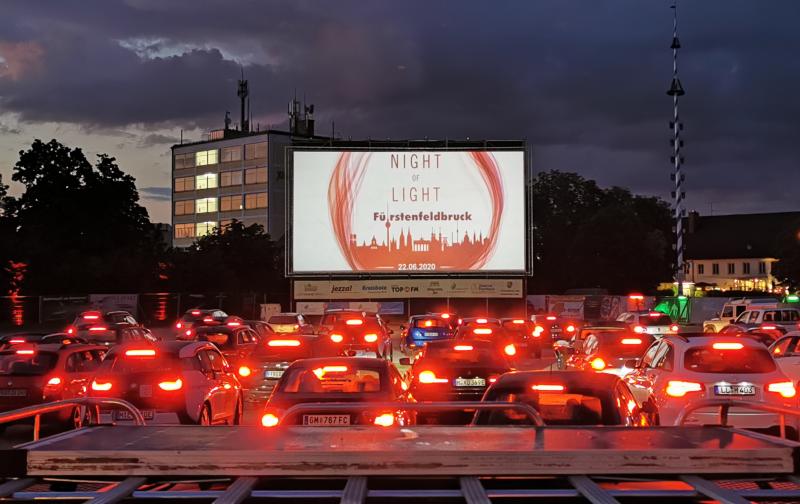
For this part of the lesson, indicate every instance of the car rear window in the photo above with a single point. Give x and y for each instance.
(450, 356)
(14, 364)
(331, 379)
(431, 323)
(282, 319)
(619, 344)
(117, 318)
(555, 408)
(124, 364)
(660, 320)
(747, 360)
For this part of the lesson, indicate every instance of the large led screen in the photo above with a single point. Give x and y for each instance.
(408, 211)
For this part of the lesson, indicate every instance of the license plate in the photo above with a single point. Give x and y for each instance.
(365, 353)
(145, 391)
(14, 392)
(555, 329)
(431, 334)
(326, 420)
(125, 415)
(470, 382)
(735, 389)
(273, 374)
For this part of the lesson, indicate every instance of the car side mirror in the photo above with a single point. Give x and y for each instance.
(632, 363)
(405, 361)
(402, 327)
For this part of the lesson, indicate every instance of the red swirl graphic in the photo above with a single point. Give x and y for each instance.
(462, 254)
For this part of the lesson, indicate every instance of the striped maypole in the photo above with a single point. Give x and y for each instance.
(676, 90)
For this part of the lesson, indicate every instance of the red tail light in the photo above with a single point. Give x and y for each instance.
(371, 338)
(785, 389)
(598, 364)
(654, 314)
(517, 321)
(244, 371)
(171, 386)
(178, 325)
(482, 321)
(550, 318)
(430, 377)
(98, 329)
(510, 350)
(233, 323)
(355, 322)
(636, 297)
(537, 331)
(91, 317)
(463, 348)
(101, 386)
(674, 328)
(140, 352)
(337, 338)
(493, 378)
(724, 345)
(445, 316)
(208, 320)
(321, 372)
(70, 330)
(188, 332)
(768, 327)
(25, 352)
(482, 330)
(54, 381)
(269, 420)
(16, 341)
(638, 329)
(631, 341)
(677, 388)
(196, 313)
(570, 328)
(283, 343)
(548, 388)
(384, 420)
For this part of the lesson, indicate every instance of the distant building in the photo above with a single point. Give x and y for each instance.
(737, 252)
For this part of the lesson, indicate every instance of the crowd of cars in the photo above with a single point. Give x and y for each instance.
(351, 369)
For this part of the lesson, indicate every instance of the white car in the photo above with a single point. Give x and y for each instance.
(677, 370)
(786, 352)
(650, 322)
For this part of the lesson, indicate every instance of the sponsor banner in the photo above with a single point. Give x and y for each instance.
(113, 302)
(268, 310)
(422, 288)
(408, 211)
(318, 307)
(570, 307)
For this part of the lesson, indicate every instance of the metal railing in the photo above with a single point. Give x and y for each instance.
(724, 406)
(36, 411)
(426, 407)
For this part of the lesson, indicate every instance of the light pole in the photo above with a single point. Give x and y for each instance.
(675, 91)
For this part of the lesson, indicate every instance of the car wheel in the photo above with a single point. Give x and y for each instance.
(185, 419)
(205, 415)
(75, 420)
(237, 415)
(709, 329)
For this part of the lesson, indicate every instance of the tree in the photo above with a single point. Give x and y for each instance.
(79, 227)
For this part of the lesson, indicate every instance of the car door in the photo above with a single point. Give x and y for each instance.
(638, 378)
(221, 406)
(74, 384)
(202, 383)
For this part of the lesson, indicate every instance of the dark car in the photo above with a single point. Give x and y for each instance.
(38, 339)
(354, 380)
(527, 338)
(237, 344)
(488, 329)
(554, 327)
(118, 334)
(36, 374)
(764, 336)
(422, 329)
(606, 348)
(271, 358)
(455, 371)
(262, 329)
(293, 323)
(171, 381)
(89, 324)
(336, 316)
(197, 317)
(357, 336)
(565, 398)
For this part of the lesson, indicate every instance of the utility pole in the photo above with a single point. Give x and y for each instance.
(675, 91)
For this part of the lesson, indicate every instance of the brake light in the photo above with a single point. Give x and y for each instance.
(371, 338)
(384, 420)
(727, 346)
(636, 297)
(25, 352)
(510, 349)
(481, 321)
(244, 371)
(638, 329)
(482, 330)
(550, 318)
(179, 326)
(140, 352)
(430, 377)
(284, 343)
(445, 316)
(768, 327)
(337, 338)
(355, 322)
(54, 382)
(91, 317)
(493, 378)
(570, 328)
(428, 323)
(196, 312)
(208, 320)
(785, 389)
(463, 348)
(654, 314)
(674, 328)
(269, 420)
(98, 329)
(320, 372)
(70, 330)
(188, 332)
(16, 341)
(676, 388)
(598, 364)
(233, 323)
(537, 331)
(548, 388)
(171, 386)
(631, 341)
(101, 386)
(517, 321)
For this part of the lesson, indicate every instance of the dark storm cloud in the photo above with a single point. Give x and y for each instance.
(158, 139)
(582, 81)
(156, 193)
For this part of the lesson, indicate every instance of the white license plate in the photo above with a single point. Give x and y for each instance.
(470, 382)
(735, 390)
(326, 420)
(145, 391)
(273, 374)
(431, 334)
(14, 392)
(365, 353)
(125, 415)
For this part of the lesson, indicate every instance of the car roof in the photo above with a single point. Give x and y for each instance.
(285, 314)
(521, 379)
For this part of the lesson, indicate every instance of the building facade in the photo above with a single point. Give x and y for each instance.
(233, 175)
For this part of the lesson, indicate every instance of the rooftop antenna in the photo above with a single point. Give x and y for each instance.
(675, 91)
(243, 95)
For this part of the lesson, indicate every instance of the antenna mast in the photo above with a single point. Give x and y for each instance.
(675, 91)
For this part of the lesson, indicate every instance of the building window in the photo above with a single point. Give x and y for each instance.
(255, 200)
(184, 230)
(701, 269)
(230, 178)
(255, 176)
(715, 268)
(731, 269)
(184, 207)
(204, 228)
(206, 157)
(745, 268)
(230, 203)
(183, 184)
(184, 161)
(762, 267)
(205, 205)
(231, 153)
(255, 151)
(206, 181)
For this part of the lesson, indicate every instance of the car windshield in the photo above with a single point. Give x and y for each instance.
(283, 319)
(331, 379)
(655, 320)
(737, 360)
(23, 364)
(460, 354)
(619, 344)
(431, 323)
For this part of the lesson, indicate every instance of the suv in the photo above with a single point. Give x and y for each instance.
(771, 319)
(732, 309)
(648, 322)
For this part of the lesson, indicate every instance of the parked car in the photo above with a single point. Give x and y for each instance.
(170, 382)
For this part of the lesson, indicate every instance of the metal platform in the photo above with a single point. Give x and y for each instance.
(106, 451)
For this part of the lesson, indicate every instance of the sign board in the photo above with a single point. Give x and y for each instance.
(402, 289)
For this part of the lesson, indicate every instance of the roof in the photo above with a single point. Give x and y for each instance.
(522, 379)
(747, 236)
